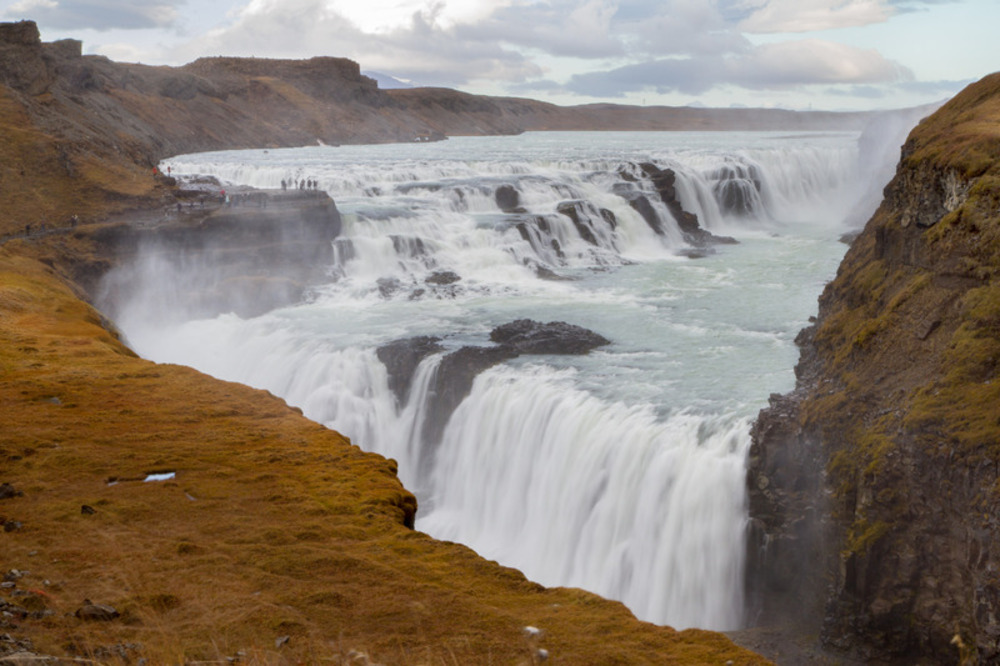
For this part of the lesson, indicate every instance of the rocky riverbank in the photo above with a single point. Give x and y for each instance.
(874, 485)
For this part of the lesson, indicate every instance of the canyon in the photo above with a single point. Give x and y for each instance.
(873, 486)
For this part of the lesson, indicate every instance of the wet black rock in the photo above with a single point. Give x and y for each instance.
(641, 204)
(453, 383)
(508, 199)
(443, 278)
(557, 337)
(695, 252)
(572, 210)
(663, 181)
(537, 230)
(546, 273)
(409, 246)
(401, 359)
(457, 370)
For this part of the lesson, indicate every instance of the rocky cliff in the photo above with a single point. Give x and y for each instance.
(874, 485)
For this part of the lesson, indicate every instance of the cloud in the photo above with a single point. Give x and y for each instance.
(941, 88)
(97, 14)
(681, 27)
(419, 48)
(771, 66)
(814, 61)
(596, 29)
(581, 29)
(777, 16)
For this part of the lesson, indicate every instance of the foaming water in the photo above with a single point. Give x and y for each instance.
(621, 471)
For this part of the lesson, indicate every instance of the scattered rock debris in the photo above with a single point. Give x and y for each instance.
(92, 612)
(8, 491)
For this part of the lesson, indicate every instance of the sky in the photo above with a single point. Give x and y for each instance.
(797, 54)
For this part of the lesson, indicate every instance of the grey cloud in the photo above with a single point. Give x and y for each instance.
(559, 27)
(735, 11)
(690, 75)
(862, 92)
(772, 66)
(685, 27)
(948, 88)
(437, 56)
(538, 86)
(905, 6)
(97, 14)
(942, 89)
(422, 50)
(597, 29)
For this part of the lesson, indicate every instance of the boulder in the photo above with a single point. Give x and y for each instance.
(92, 612)
(531, 337)
(443, 278)
(508, 199)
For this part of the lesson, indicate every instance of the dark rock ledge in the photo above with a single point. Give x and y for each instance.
(458, 369)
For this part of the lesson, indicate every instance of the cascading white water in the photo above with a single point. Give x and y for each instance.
(647, 504)
(621, 471)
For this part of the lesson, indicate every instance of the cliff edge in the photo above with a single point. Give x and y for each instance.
(874, 493)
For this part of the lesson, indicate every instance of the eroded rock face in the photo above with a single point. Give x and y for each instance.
(246, 259)
(875, 518)
(401, 359)
(24, 64)
(458, 369)
(663, 181)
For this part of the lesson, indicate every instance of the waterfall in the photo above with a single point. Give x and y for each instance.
(646, 508)
(621, 471)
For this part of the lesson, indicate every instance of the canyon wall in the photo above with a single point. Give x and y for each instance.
(874, 485)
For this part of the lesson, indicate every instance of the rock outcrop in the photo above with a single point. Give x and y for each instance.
(205, 259)
(457, 370)
(873, 486)
(662, 181)
(556, 337)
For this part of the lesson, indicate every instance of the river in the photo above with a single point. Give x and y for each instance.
(620, 471)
